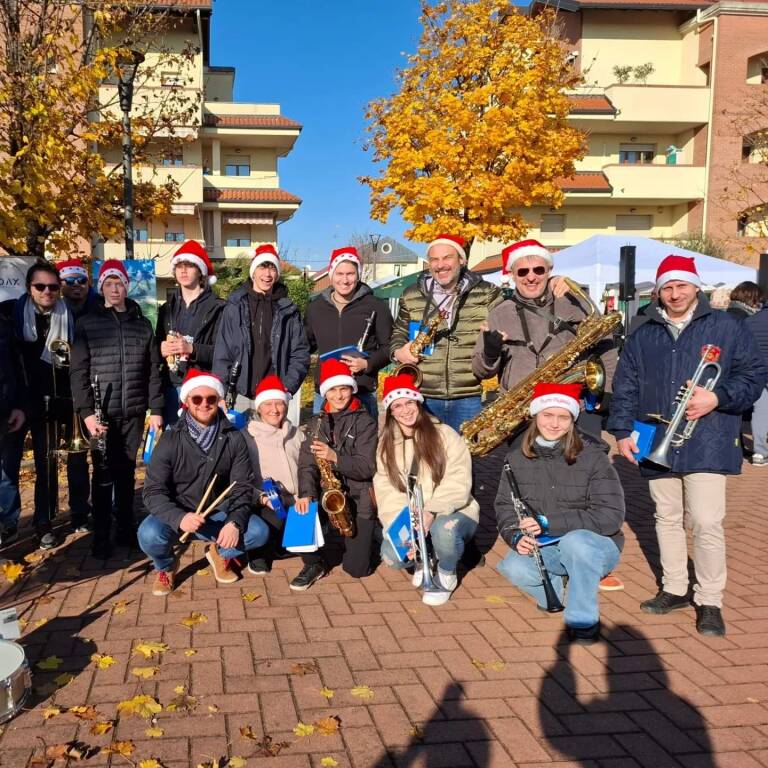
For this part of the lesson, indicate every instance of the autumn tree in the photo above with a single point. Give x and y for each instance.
(478, 127)
(59, 116)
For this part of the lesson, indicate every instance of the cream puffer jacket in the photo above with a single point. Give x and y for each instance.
(275, 452)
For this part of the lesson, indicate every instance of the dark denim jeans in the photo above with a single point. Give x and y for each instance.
(455, 412)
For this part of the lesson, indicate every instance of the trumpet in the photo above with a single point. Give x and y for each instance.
(673, 438)
(421, 558)
(418, 345)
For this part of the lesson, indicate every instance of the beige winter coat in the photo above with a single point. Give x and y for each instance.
(275, 452)
(454, 494)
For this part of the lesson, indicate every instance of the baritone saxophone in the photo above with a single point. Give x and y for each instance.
(333, 501)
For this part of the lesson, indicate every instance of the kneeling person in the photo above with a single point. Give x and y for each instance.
(200, 445)
(567, 480)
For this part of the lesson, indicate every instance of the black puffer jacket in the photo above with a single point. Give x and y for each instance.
(121, 349)
(584, 495)
(355, 437)
(10, 371)
(208, 313)
(329, 329)
(179, 472)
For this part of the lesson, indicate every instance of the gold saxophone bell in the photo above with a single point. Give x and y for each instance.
(409, 370)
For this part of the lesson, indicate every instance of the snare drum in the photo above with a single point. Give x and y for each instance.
(15, 679)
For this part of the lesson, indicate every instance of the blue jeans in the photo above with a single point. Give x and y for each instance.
(449, 534)
(157, 538)
(455, 412)
(585, 557)
(368, 399)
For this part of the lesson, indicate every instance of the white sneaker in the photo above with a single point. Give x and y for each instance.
(418, 577)
(438, 597)
(447, 581)
(759, 460)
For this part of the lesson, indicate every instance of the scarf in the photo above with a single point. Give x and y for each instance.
(60, 327)
(446, 300)
(744, 307)
(203, 436)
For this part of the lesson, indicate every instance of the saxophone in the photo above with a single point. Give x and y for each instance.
(418, 345)
(504, 416)
(333, 501)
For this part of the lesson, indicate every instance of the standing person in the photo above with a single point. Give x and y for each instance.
(745, 300)
(115, 342)
(187, 322)
(451, 390)
(200, 445)
(38, 318)
(344, 435)
(338, 317)
(273, 444)
(758, 324)
(261, 328)
(76, 287)
(413, 442)
(571, 491)
(659, 358)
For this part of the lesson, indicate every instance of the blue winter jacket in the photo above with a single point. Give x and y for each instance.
(652, 368)
(290, 348)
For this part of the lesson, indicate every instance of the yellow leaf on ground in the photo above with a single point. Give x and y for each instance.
(236, 762)
(495, 600)
(145, 673)
(204, 572)
(193, 619)
(213, 708)
(328, 762)
(97, 729)
(102, 661)
(50, 712)
(11, 571)
(494, 665)
(152, 762)
(23, 623)
(44, 600)
(34, 557)
(362, 692)
(124, 748)
(63, 679)
(84, 712)
(182, 703)
(154, 732)
(139, 706)
(327, 726)
(120, 606)
(248, 733)
(40, 622)
(52, 662)
(190, 652)
(150, 648)
(249, 597)
(180, 689)
(303, 729)
(327, 692)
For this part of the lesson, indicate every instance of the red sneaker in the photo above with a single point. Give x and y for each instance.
(611, 583)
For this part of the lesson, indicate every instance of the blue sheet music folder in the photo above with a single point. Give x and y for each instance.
(336, 354)
(302, 533)
(400, 533)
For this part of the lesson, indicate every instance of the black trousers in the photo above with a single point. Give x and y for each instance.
(356, 557)
(116, 476)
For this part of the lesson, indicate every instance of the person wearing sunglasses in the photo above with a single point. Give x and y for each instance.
(39, 317)
(200, 447)
(76, 287)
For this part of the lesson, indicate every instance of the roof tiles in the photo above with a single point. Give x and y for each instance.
(250, 121)
(591, 105)
(216, 195)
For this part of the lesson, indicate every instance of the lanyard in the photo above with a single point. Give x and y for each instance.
(556, 324)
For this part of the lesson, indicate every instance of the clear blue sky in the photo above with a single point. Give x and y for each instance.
(322, 62)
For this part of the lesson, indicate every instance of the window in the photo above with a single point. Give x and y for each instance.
(753, 223)
(552, 222)
(633, 223)
(636, 154)
(141, 235)
(238, 242)
(757, 69)
(399, 270)
(237, 169)
(173, 159)
(174, 237)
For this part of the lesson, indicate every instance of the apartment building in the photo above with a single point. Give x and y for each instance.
(226, 166)
(675, 107)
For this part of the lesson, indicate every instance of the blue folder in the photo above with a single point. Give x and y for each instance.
(302, 533)
(237, 418)
(643, 434)
(149, 445)
(399, 533)
(336, 354)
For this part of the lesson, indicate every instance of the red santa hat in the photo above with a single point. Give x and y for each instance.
(264, 254)
(71, 268)
(347, 253)
(520, 250)
(270, 388)
(459, 243)
(113, 268)
(677, 268)
(196, 378)
(566, 396)
(396, 387)
(195, 253)
(334, 373)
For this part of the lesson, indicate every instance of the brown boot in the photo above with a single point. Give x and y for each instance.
(222, 571)
(163, 585)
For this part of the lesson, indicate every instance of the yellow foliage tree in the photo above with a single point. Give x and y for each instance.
(59, 109)
(479, 124)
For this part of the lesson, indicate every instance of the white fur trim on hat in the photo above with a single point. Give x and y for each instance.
(350, 257)
(73, 271)
(554, 400)
(398, 394)
(678, 274)
(341, 380)
(448, 241)
(264, 258)
(270, 394)
(192, 258)
(212, 382)
(111, 273)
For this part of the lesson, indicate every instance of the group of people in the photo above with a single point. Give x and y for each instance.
(255, 347)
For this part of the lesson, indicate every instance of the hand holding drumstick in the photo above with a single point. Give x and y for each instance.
(201, 516)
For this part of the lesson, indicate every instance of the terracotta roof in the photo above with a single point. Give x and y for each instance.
(215, 195)
(489, 264)
(591, 105)
(250, 121)
(586, 181)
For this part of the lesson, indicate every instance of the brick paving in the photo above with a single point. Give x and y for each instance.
(486, 680)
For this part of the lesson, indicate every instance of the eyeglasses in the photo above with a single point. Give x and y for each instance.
(52, 287)
(76, 280)
(209, 399)
(523, 271)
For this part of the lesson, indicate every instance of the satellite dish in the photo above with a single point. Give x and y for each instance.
(386, 248)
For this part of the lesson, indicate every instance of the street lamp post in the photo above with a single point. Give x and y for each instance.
(374, 251)
(127, 67)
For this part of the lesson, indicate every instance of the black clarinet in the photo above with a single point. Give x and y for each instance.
(231, 391)
(553, 603)
(99, 443)
(366, 332)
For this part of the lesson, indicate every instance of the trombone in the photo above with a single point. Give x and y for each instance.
(61, 355)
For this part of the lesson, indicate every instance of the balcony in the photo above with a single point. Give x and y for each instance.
(188, 177)
(667, 184)
(250, 125)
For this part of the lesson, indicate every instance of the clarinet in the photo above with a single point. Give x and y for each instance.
(231, 391)
(99, 443)
(553, 603)
(366, 332)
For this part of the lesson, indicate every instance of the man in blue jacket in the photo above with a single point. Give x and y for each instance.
(758, 324)
(261, 328)
(659, 358)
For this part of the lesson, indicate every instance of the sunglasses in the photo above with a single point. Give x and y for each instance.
(523, 271)
(52, 287)
(209, 399)
(76, 280)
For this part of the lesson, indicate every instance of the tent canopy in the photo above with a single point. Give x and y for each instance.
(595, 263)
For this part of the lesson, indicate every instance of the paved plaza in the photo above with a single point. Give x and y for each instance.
(362, 674)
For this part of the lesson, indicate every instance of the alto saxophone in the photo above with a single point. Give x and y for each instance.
(333, 501)
(418, 345)
(507, 413)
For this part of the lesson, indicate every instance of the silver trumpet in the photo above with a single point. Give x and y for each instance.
(421, 557)
(673, 437)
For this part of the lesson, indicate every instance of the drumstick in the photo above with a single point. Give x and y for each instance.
(207, 511)
(206, 494)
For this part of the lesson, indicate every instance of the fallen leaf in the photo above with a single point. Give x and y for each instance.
(303, 729)
(204, 572)
(327, 692)
(248, 733)
(40, 622)
(266, 746)
(182, 703)
(120, 606)
(362, 692)
(180, 689)
(63, 679)
(190, 652)
(77, 750)
(84, 712)
(150, 648)
(303, 668)
(153, 762)
(327, 726)
(44, 600)
(154, 732)
(34, 557)
(97, 729)
(213, 708)
(194, 619)
(249, 597)
(328, 762)
(139, 706)
(50, 712)
(145, 673)
(236, 762)
(52, 662)
(101, 661)
(11, 571)
(495, 600)
(417, 734)
(494, 665)
(23, 623)
(124, 748)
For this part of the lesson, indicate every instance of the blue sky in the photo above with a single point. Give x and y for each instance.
(322, 62)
